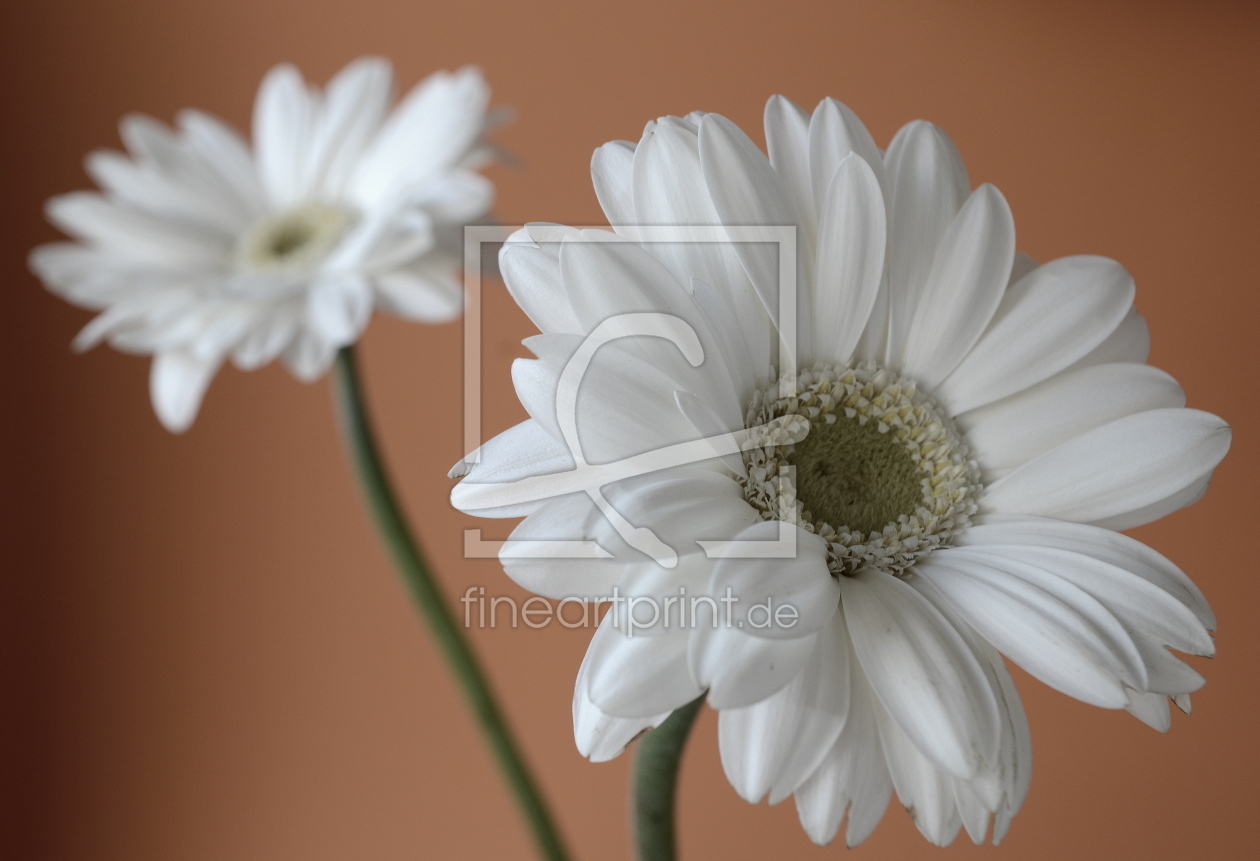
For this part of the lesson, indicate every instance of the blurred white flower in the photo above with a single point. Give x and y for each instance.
(980, 428)
(201, 248)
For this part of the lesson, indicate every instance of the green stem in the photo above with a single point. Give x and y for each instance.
(396, 535)
(656, 782)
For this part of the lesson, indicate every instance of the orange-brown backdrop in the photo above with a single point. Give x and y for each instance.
(205, 653)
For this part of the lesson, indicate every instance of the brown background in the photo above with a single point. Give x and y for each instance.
(205, 654)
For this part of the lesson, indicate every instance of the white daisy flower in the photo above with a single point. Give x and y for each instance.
(979, 429)
(201, 248)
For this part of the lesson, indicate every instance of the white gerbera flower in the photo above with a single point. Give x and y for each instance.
(201, 249)
(979, 428)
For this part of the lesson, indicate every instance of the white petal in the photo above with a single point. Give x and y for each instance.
(929, 184)
(962, 289)
(835, 132)
(1130, 342)
(135, 235)
(850, 259)
(427, 292)
(1051, 628)
(612, 172)
(145, 188)
(566, 518)
(763, 589)
(1052, 317)
(430, 131)
(600, 736)
(532, 276)
(737, 668)
(669, 189)
(455, 197)
(682, 507)
(1150, 709)
(1103, 544)
(1120, 467)
(338, 308)
(177, 382)
(708, 423)
(355, 104)
(606, 279)
(308, 356)
(852, 776)
(283, 115)
(624, 406)
(820, 712)
(267, 339)
(924, 790)
(189, 184)
(779, 741)
(1140, 606)
(787, 141)
(746, 191)
(1024, 425)
(1188, 495)
(922, 671)
(637, 677)
(519, 452)
(223, 149)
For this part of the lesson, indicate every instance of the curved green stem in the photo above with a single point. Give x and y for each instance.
(656, 782)
(409, 559)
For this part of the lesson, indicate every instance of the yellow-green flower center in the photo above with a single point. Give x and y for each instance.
(297, 239)
(883, 476)
(849, 474)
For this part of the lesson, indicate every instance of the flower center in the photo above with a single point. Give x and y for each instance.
(883, 476)
(296, 239)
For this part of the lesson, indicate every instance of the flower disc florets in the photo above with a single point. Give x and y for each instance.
(883, 476)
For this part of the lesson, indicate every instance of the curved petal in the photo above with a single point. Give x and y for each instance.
(835, 132)
(1130, 342)
(669, 190)
(746, 191)
(1141, 607)
(356, 101)
(283, 115)
(601, 736)
(737, 668)
(773, 745)
(1052, 317)
(851, 243)
(852, 777)
(430, 131)
(638, 677)
(1024, 425)
(1052, 629)
(1102, 544)
(532, 276)
(177, 383)
(928, 186)
(923, 672)
(1187, 496)
(924, 790)
(759, 590)
(531, 563)
(519, 452)
(612, 173)
(1120, 467)
(787, 142)
(962, 289)
(338, 308)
